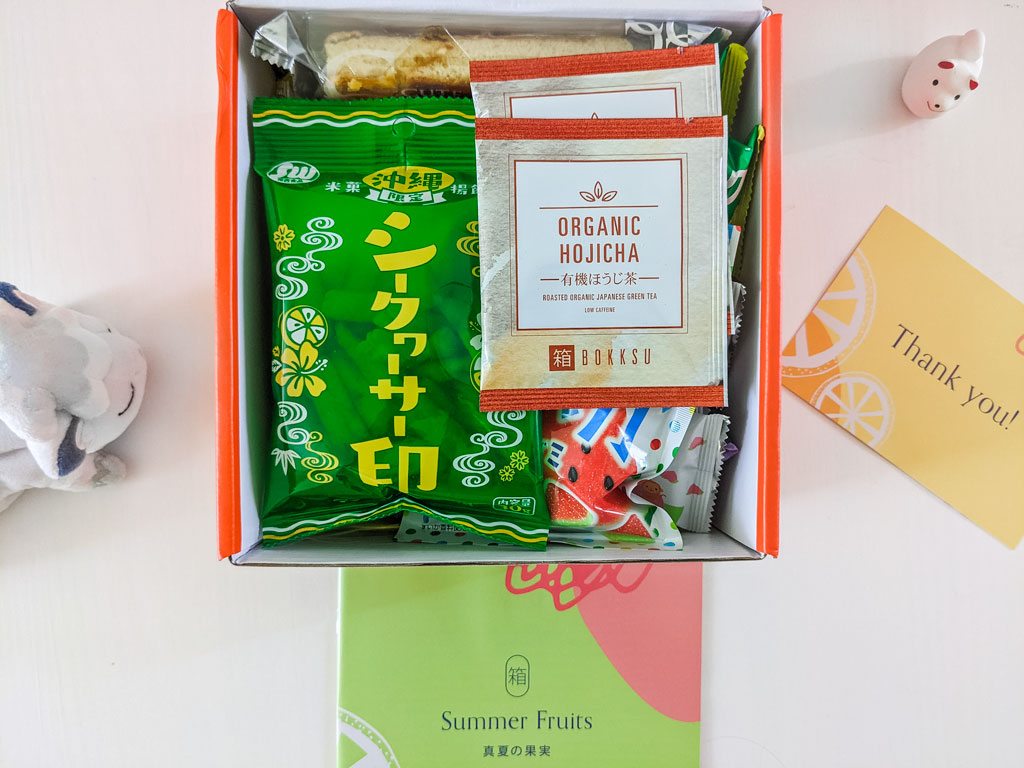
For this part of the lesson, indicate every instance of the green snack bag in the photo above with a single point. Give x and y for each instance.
(371, 210)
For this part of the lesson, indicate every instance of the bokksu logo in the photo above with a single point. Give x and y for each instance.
(561, 357)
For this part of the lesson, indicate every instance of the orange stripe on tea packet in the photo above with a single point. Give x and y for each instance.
(591, 64)
(600, 397)
(507, 128)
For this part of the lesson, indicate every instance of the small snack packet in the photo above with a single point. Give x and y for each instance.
(375, 337)
(672, 82)
(742, 164)
(734, 65)
(603, 263)
(673, 34)
(591, 456)
(741, 154)
(688, 486)
(739, 296)
(735, 235)
(642, 526)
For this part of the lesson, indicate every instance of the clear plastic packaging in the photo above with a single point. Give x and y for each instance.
(344, 55)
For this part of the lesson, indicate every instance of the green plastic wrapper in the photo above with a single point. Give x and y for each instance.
(372, 218)
(740, 208)
(733, 66)
(741, 156)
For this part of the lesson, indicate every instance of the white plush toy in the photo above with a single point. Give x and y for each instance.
(69, 384)
(943, 74)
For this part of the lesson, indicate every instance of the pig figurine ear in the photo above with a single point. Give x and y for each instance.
(943, 73)
(972, 46)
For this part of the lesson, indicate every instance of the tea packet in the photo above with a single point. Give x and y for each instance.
(604, 272)
(375, 346)
(670, 82)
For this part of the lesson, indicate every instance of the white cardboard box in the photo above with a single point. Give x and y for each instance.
(746, 515)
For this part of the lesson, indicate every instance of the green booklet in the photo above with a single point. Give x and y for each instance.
(562, 665)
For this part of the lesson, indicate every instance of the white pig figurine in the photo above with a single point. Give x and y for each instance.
(943, 74)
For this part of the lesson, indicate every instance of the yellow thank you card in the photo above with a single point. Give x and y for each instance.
(921, 357)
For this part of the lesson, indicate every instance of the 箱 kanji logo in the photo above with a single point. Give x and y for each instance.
(561, 357)
(517, 675)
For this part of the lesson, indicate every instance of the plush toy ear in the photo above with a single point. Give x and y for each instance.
(946, 65)
(10, 294)
(62, 455)
(69, 454)
(974, 84)
(971, 46)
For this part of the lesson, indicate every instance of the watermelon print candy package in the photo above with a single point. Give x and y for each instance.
(597, 467)
(375, 342)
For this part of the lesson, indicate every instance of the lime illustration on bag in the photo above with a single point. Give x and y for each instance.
(371, 212)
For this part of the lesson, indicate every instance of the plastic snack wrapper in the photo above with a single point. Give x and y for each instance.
(375, 336)
(688, 486)
(741, 157)
(735, 235)
(741, 209)
(417, 528)
(592, 456)
(340, 55)
(673, 34)
(739, 296)
(745, 193)
(734, 65)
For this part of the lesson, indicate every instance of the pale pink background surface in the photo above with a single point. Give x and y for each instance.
(651, 634)
(889, 632)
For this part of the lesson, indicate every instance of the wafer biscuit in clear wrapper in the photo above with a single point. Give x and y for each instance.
(348, 55)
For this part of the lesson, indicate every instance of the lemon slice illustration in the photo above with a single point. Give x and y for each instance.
(837, 325)
(302, 324)
(859, 403)
(373, 751)
(476, 371)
